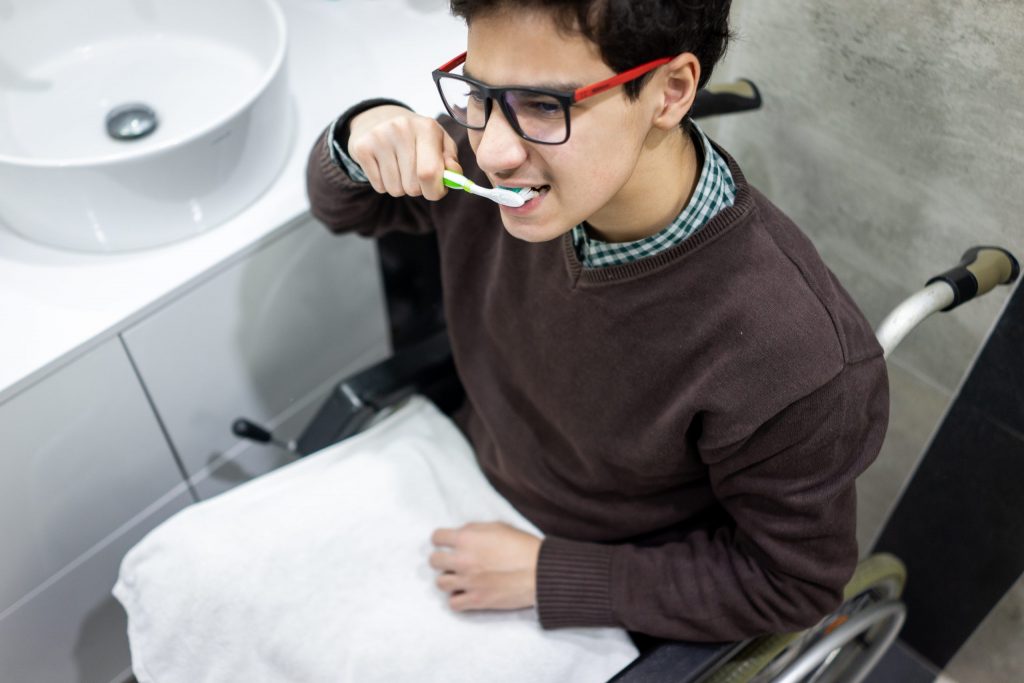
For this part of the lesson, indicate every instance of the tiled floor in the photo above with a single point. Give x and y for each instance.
(995, 653)
(901, 665)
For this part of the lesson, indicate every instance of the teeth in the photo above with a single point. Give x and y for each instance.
(526, 193)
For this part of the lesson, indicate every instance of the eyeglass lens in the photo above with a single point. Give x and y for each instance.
(537, 116)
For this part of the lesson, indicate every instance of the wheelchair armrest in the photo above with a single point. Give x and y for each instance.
(420, 367)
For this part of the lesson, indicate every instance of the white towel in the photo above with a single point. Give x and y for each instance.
(318, 572)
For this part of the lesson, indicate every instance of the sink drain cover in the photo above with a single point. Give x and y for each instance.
(132, 121)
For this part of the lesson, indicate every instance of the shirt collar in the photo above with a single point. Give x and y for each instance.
(715, 191)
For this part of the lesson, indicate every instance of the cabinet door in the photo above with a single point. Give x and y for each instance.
(82, 460)
(266, 338)
(73, 630)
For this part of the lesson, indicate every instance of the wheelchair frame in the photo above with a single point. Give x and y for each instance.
(855, 639)
(427, 368)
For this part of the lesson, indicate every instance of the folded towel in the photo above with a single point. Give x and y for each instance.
(318, 572)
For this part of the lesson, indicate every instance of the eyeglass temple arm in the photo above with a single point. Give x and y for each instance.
(587, 90)
(618, 79)
(451, 64)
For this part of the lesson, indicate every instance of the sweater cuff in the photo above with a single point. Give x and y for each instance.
(322, 164)
(574, 584)
(341, 158)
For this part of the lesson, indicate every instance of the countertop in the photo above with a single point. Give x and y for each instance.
(56, 305)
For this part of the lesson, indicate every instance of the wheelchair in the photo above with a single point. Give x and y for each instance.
(845, 645)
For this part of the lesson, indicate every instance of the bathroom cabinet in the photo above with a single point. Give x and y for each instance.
(83, 461)
(265, 339)
(92, 456)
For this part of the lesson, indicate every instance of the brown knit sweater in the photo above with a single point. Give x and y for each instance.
(685, 429)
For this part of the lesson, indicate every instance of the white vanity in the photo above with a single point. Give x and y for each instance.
(121, 372)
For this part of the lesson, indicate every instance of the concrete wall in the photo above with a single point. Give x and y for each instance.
(893, 133)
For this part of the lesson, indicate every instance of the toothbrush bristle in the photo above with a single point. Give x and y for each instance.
(520, 197)
(514, 201)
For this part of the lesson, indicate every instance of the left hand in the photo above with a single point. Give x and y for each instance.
(486, 566)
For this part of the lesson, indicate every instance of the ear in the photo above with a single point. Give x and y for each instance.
(677, 88)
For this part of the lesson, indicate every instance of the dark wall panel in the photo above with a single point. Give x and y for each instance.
(959, 525)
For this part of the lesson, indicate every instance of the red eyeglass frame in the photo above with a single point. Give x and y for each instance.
(586, 91)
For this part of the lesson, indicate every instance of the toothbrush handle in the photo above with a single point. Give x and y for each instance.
(457, 182)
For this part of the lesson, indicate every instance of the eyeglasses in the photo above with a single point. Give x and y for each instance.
(536, 114)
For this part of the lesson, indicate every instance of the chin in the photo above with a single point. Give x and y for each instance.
(529, 231)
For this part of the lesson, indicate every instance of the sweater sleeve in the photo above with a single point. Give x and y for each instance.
(346, 205)
(789, 489)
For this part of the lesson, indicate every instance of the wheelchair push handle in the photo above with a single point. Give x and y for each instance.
(980, 270)
(726, 98)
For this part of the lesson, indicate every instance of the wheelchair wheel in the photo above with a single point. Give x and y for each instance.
(842, 647)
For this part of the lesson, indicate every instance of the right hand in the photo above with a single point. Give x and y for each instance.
(402, 153)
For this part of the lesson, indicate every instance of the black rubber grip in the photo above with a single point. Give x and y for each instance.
(979, 271)
(726, 98)
(250, 430)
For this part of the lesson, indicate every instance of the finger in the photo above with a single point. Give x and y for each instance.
(390, 175)
(430, 164)
(464, 601)
(444, 537)
(405, 153)
(450, 583)
(372, 171)
(361, 153)
(443, 560)
(450, 152)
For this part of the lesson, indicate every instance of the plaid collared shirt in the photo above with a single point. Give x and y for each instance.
(715, 191)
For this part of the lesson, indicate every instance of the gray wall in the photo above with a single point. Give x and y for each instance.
(893, 133)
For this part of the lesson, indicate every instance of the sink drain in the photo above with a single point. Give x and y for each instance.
(131, 121)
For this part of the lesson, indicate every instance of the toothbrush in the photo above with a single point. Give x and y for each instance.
(514, 197)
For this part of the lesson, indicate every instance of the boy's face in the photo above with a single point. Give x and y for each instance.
(587, 177)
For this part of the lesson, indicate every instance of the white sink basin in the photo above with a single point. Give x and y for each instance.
(211, 70)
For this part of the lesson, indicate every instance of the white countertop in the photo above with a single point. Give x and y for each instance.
(55, 305)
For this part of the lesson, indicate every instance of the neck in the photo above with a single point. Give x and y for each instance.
(661, 184)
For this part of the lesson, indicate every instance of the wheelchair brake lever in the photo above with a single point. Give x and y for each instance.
(248, 429)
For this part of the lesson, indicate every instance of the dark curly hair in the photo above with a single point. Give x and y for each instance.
(631, 32)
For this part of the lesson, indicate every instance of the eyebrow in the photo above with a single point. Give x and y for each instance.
(551, 85)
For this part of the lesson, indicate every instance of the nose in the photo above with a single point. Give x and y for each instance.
(499, 149)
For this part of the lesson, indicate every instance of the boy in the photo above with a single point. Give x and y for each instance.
(661, 374)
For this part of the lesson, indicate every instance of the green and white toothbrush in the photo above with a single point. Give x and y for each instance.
(513, 197)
